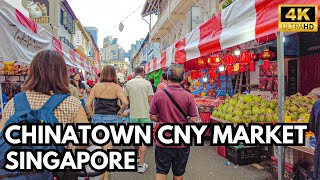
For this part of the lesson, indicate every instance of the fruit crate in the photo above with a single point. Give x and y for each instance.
(245, 155)
(287, 167)
(222, 151)
(292, 156)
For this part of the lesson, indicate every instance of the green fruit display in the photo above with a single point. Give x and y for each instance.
(293, 108)
(256, 99)
(273, 104)
(233, 101)
(252, 108)
(301, 110)
(294, 116)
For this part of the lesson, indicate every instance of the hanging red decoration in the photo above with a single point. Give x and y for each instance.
(255, 56)
(245, 57)
(214, 61)
(252, 66)
(242, 68)
(230, 69)
(266, 65)
(212, 73)
(267, 55)
(230, 59)
(201, 62)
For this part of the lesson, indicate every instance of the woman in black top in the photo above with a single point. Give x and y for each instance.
(106, 95)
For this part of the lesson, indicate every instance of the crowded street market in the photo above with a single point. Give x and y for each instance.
(103, 100)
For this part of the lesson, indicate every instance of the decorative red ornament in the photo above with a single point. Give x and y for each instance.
(230, 59)
(201, 62)
(242, 68)
(245, 57)
(252, 66)
(230, 69)
(212, 73)
(266, 65)
(214, 61)
(267, 55)
(255, 56)
(194, 75)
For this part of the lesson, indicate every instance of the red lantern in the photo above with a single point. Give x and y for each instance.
(266, 65)
(212, 73)
(242, 68)
(245, 57)
(255, 56)
(230, 59)
(267, 55)
(252, 66)
(214, 61)
(230, 69)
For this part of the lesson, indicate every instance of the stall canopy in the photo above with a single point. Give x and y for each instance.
(21, 39)
(242, 21)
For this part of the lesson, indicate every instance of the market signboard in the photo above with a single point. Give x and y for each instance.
(78, 38)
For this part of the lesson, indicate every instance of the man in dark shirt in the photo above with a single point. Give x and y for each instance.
(315, 128)
(162, 110)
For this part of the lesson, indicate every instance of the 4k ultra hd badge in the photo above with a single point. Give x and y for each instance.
(298, 18)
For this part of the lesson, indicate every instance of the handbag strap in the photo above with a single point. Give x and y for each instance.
(175, 103)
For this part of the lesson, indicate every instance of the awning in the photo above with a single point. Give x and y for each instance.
(21, 39)
(241, 22)
(150, 7)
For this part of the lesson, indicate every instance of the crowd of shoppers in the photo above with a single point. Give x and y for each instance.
(108, 101)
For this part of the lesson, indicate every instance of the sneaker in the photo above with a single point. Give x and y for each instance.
(142, 168)
(138, 160)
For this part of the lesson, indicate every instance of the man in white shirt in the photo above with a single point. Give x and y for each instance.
(140, 92)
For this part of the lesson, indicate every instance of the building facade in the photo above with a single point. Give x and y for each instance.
(57, 17)
(176, 18)
(93, 31)
(113, 54)
(143, 51)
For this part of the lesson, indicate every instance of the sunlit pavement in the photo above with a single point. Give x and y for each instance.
(204, 163)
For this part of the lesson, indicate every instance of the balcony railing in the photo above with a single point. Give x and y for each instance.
(172, 13)
(41, 20)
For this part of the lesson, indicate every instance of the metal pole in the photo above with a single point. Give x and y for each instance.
(1, 99)
(281, 97)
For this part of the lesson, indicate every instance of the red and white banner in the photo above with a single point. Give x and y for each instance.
(241, 22)
(21, 39)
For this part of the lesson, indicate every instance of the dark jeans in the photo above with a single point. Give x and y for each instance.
(175, 157)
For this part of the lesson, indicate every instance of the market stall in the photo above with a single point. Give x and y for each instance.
(238, 31)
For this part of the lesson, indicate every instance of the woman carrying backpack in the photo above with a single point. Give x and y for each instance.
(47, 80)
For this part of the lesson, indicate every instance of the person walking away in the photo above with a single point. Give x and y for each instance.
(152, 84)
(164, 81)
(315, 128)
(139, 92)
(163, 110)
(46, 90)
(106, 95)
(73, 90)
(81, 88)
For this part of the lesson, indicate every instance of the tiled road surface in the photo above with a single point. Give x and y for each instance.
(204, 164)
